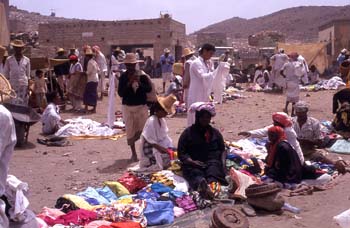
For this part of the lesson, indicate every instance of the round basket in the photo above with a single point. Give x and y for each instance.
(6, 91)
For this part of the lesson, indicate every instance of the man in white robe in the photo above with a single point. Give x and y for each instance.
(278, 60)
(202, 75)
(102, 64)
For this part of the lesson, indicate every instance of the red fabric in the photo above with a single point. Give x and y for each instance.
(282, 118)
(126, 225)
(271, 148)
(132, 183)
(76, 217)
(73, 57)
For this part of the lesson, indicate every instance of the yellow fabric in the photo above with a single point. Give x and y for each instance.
(178, 69)
(117, 188)
(125, 201)
(314, 53)
(79, 202)
(113, 137)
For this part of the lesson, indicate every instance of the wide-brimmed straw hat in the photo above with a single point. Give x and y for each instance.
(187, 51)
(89, 51)
(17, 43)
(167, 103)
(166, 50)
(60, 50)
(130, 58)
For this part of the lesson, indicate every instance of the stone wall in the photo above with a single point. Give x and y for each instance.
(160, 33)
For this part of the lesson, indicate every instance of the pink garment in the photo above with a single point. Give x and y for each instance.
(76, 217)
(98, 223)
(242, 180)
(52, 213)
(178, 212)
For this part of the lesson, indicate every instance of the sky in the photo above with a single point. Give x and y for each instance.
(196, 14)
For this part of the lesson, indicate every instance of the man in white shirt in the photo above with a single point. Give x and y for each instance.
(102, 64)
(289, 72)
(189, 56)
(17, 70)
(202, 75)
(279, 60)
(90, 93)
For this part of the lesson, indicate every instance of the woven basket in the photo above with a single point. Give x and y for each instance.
(6, 92)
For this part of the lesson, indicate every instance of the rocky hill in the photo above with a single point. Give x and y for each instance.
(29, 21)
(298, 23)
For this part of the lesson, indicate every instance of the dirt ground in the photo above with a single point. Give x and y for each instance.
(53, 171)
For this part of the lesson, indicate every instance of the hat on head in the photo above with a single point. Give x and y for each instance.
(117, 49)
(282, 118)
(60, 50)
(89, 51)
(166, 50)
(301, 106)
(207, 106)
(17, 43)
(167, 103)
(281, 50)
(73, 57)
(130, 58)
(187, 51)
(96, 48)
(343, 51)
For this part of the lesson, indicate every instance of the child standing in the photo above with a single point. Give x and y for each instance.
(40, 89)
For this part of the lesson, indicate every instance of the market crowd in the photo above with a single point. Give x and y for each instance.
(81, 77)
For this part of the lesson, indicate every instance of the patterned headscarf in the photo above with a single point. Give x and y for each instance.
(207, 106)
(282, 118)
(272, 146)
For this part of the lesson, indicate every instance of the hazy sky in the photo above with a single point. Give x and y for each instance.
(196, 14)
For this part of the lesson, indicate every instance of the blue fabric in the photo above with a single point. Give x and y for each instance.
(107, 193)
(176, 194)
(92, 197)
(160, 188)
(144, 194)
(168, 65)
(341, 146)
(159, 212)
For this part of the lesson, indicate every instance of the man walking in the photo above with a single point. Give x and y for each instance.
(166, 61)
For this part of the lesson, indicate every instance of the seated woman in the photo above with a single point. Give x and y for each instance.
(282, 161)
(155, 141)
(201, 149)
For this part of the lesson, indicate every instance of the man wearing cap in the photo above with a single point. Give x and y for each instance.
(90, 93)
(133, 88)
(189, 56)
(166, 61)
(77, 82)
(278, 60)
(102, 64)
(61, 71)
(308, 130)
(17, 70)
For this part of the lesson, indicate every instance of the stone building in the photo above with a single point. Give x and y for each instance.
(337, 35)
(151, 34)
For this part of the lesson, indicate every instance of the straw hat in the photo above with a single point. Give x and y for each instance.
(118, 49)
(130, 58)
(89, 51)
(167, 103)
(17, 43)
(60, 50)
(187, 51)
(166, 50)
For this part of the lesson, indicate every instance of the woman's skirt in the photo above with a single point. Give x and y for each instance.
(90, 94)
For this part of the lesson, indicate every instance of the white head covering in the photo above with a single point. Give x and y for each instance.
(199, 106)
